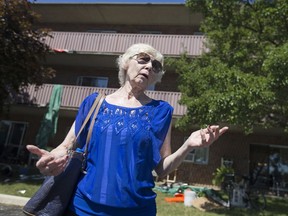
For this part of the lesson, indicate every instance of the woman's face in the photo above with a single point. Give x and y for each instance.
(142, 69)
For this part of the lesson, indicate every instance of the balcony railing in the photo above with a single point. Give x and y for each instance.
(72, 96)
(117, 43)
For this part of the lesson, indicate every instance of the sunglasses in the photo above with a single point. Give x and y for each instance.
(144, 58)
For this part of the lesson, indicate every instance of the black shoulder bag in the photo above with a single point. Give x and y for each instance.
(54, 195)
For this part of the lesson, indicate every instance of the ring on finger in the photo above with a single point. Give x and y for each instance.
(209, 129)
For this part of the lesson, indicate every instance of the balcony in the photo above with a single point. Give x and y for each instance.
(116, 43)
(72, 96)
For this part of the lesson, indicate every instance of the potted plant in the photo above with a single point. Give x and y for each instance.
(221, 174)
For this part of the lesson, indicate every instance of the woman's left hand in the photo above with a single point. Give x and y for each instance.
(205, 137)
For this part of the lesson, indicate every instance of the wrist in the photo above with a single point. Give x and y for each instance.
(188, 147)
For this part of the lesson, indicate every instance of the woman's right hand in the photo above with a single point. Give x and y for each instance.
(50, 163)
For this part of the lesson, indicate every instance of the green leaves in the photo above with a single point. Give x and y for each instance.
(243, 80)
(22, 52)
(219, 175)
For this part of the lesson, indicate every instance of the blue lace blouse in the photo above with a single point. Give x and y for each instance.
(124, 149)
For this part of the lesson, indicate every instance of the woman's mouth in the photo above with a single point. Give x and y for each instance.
(145, 75)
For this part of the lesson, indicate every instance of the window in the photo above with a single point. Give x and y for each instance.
(190, 156)
(279, 155)
(198, 156)
(269, 166)
(92, 81)
(201, 156)
(11, 138)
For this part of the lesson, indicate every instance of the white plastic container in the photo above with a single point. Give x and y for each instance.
(189, 197)
(237, 198)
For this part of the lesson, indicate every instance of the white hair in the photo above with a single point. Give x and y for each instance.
(133, 50)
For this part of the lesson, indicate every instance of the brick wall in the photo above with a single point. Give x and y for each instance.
(231, 145)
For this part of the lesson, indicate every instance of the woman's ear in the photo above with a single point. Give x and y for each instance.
(125, 66)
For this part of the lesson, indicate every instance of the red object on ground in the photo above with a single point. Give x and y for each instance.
(179, 197)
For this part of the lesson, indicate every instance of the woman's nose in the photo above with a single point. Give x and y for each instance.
(148, 65)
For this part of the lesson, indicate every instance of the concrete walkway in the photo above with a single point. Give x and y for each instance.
(13, 200)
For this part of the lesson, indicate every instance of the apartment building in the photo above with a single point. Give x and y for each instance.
(86, 40)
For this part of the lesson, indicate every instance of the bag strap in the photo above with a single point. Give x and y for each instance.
(96, 108)
(93, 120)
(93, 107)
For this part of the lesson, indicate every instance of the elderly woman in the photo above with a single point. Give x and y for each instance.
(131, 137)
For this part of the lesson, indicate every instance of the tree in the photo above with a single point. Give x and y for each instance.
(22, 51)
(243, 79)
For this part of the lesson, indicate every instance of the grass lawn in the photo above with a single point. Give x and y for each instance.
(19, 188)
(19, 182)
(276, 206)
